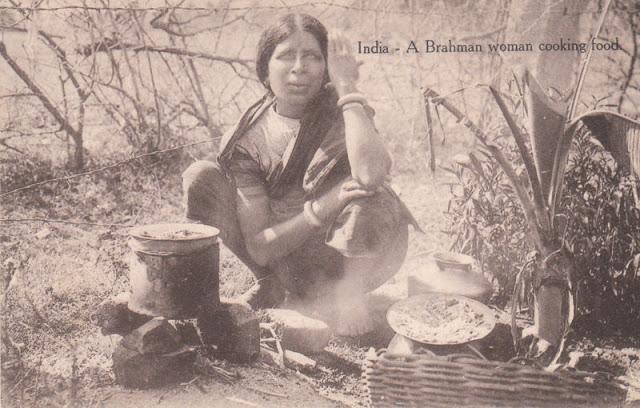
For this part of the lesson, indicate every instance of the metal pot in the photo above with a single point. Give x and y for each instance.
(174, 269)
(427, 276)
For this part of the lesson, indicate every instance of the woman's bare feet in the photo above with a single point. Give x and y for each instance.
(352, 314)
(353, 317)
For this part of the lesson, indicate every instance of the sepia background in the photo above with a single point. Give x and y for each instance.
(104, 103)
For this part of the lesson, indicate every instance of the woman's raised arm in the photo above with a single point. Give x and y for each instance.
(370, 161)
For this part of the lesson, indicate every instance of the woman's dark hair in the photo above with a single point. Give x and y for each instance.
(280, 31)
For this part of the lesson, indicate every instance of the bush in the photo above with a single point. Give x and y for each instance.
(487, 221)
(18, 171)
(602, 230)
(110, 195)
(603, 233)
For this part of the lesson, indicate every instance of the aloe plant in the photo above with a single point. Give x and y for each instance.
(544, 150)
(550, 132)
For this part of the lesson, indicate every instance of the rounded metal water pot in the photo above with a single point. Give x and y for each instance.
(174, 269)
(447, 272)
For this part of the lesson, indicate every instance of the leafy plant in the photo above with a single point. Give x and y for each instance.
(486, 220)
(550, 134)
(603, 233)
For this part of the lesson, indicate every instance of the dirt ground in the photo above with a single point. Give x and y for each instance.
(64, 358)
(68, 362)
(258, 387)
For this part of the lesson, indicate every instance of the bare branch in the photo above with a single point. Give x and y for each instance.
(38, 92)
(21, 133)
(17, 95)
(4, 143)
(164, 21)
(24, 30)
(111, 44)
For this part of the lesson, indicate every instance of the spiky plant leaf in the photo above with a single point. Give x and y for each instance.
(546, 123)
(534, 181)
(618, 134)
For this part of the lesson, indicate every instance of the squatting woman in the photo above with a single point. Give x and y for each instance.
(298, 188)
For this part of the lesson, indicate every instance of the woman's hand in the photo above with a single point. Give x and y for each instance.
(343, 67)
(331, 203)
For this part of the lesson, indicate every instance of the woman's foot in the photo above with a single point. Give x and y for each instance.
(353, 317)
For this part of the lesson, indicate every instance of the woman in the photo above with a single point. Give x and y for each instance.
(298, 187)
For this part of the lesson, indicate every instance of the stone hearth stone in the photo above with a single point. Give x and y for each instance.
(114, 317)
(135, 370)
(234, 328)
(299, 332)
(188, 331)
(155, 336)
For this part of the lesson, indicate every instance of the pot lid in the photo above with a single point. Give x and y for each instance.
(173, 232)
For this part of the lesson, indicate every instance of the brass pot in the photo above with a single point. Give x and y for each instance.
(434, 274)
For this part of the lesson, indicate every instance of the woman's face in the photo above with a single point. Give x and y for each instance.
(296, 73)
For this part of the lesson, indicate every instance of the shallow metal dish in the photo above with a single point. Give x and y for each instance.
(441, 319)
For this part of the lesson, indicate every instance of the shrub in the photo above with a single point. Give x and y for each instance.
(602, 230)
(603, 233)
(487, 221)
(18, 171)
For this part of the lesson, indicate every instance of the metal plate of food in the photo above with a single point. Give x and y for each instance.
(441, 319)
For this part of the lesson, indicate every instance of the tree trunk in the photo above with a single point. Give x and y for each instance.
(78, 154)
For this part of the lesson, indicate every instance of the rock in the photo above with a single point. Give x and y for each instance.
(188, 331)
(155, 336)
(234, 328)
(299, 360)
(299, 332)
(114, 317)
(43, 233)
(135, 370)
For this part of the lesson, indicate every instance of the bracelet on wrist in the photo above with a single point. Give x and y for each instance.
(352, 105)
(310, 215)
(352, 97)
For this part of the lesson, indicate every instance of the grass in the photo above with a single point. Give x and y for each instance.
(56, 273)
(60, 272)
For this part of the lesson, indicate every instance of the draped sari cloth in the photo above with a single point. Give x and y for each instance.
(367, 227)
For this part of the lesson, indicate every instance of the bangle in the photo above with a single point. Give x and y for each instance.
(352, 97)
(351, 105)
(309, 215)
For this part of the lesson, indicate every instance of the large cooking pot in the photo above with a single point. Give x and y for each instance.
(174, 269)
